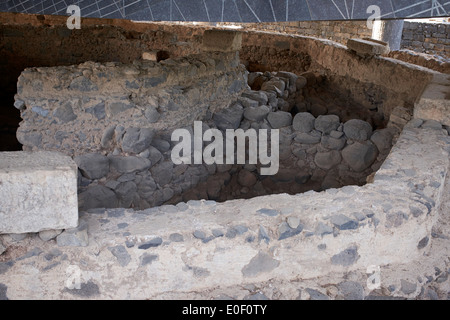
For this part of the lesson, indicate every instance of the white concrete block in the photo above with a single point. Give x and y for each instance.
(38, 191)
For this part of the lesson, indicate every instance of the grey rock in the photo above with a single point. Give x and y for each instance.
(240, 229)
(407, 287)
(285, 231)
(308, 138)
(258, 96)
(323, 229)
(293, 222)
(32, 253)
(125, 192)
(122, 255)
(343, 222)
(332, 143)
(47, 235)
(263, 235)
(156, 242)
(176, 237)
(199, 234)
(336, 134)
(229, 118)
(97, 197)
(83, 84)
(2, 248)
(358, 130)
(98, 111)
(93, 165)
(256, 113)
(87, 290)
(19, 104)
(261, 263)
(107, 136)
(74, 237)
(423, 243)
(161, 145)
(114, 108)
(279, 119)
(432, 124)
(153, 154)
(351, 290)
(327, 160)
(327, 123)
(346, 258)
(256, 296)
(247, 102)
(32, 139)
(303, 122)
(65, 113)
(3, 290)
(382, 139)
(360, 155)
(136, 140)
(40, 111)
(147, 258)
(218, 233)
(316, 295)
(268, 212)
(275, 84)
(395, 219)
(414, 123)
(129, 164)
(151, 114)
(4, 266)
(162, 173)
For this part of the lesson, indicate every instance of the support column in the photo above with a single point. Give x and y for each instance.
(389, 31)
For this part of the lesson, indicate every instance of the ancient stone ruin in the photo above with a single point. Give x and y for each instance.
(361, 182)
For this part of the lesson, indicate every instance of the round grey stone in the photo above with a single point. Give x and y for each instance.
(328, 160)
(279, 119)
(256, 113)
(358, 130)
(303, 122)
(327, 123)
(360, 155)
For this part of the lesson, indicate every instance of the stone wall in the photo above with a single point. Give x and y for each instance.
(432, 38)
(116, 121)
(339, 31)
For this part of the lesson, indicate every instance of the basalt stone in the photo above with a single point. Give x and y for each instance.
(156, 242)
(247, 178)
(360, 155)
(258, 96)
(136, 140)
(303, 122)
(151, 114)
(129, 164)
(382, 139)
(162, 173)
(343, 222)
(332, 143)
(328, 160)
(261, 263)
(247, 102)
(327, 123)
(229, 118)
(346, 258)
(256, 113)
(83, 84)
(279, 119)
(114, 108)
(357, 129)
(97, 197)
(98, 111)
(122, 255)
(65, 113)
(93, 165)
(308, 138)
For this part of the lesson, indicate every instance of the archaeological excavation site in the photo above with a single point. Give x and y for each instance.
(157, 158)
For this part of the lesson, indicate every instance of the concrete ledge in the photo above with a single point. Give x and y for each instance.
(434, 103)
(38, 191)
(203, 246)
